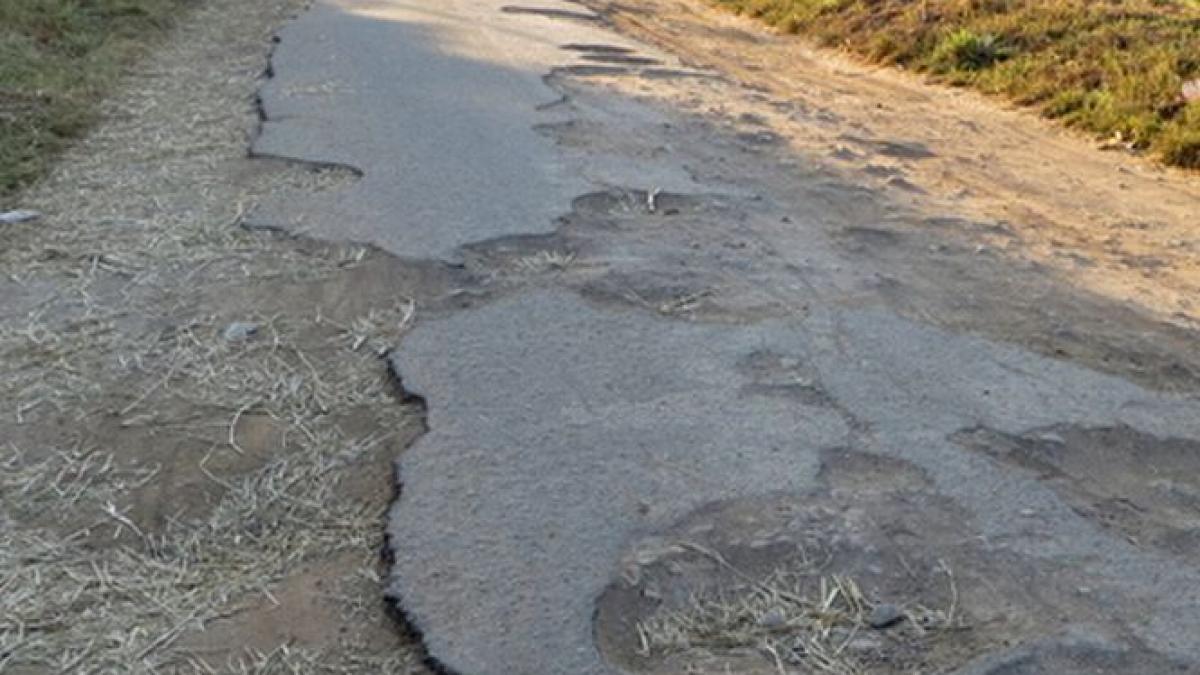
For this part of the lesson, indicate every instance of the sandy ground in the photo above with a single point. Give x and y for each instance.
(773, 301)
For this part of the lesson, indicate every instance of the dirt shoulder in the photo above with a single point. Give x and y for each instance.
(198, 425)
(1104, 222)
(1120, 70)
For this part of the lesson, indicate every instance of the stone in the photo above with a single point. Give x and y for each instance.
(774, 618)
(884, 616)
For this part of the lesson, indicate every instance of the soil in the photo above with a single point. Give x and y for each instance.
(175, 500)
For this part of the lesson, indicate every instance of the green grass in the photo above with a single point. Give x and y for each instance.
(58, 58)
(1104, 66)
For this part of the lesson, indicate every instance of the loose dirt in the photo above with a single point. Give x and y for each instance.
(177, 495)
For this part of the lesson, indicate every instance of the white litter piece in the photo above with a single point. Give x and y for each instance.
(239, 331)
(18, 216)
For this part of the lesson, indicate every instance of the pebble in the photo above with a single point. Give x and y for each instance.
(885, 615)
(239, 331)
(774, 618)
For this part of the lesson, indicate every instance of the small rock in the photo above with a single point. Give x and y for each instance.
(884, 615)
(239, 331)
(18, 216)
(774, 618)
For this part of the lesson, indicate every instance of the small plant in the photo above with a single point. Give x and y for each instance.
(1180, 141)
(966, 50)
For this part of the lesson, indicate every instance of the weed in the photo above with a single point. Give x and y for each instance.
(1179, 142)
(964, 49)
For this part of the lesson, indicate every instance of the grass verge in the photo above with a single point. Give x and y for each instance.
(58, 58)
(1114, 68)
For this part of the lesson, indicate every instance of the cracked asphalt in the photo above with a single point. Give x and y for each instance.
(659, 307)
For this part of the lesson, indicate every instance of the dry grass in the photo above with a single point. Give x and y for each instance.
(544, 262)
(1111, 68)
(99, 325)
(67, 605)
(797, 616)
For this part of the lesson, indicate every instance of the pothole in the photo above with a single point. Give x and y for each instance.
(1078, 655)
(519, 257)
(872, 574)
(1135, 485)
(619, 202)
(692, 293)
(780, 375)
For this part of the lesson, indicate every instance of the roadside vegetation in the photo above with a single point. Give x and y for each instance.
(58, 58)
(1116, 68)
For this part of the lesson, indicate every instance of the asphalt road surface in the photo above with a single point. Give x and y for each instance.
(676, 323)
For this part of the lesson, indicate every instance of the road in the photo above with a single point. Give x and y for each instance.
(695, 325)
